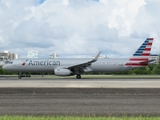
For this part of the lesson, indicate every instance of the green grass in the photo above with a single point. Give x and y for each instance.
(76, 118)
(96, 76)
(123, 76)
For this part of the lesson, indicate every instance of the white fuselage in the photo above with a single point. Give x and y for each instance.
(49, 65)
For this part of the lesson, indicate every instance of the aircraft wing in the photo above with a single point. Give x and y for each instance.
(84, 65)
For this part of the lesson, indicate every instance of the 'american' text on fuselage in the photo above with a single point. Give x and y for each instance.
(44, 63)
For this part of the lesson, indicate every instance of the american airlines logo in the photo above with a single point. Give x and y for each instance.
(24, 62)
(44, 63)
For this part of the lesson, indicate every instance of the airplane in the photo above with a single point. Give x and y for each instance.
(77, 66)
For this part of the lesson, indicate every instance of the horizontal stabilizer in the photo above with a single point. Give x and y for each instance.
(146, 62)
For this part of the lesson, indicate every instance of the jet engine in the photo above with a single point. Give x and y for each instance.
(62, 72)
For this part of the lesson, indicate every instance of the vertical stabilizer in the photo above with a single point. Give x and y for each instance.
(141, 56)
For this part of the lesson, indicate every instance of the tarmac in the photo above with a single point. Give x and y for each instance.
(7, 82)
(84, 97)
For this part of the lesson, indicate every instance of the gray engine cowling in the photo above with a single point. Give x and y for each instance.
(62, 72)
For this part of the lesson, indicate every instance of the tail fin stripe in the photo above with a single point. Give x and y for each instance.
(136, 54)
(142, 46)
(139, 51)
(149, 38)
(149, 44)
(146, 54)
(147, 49)
(141, 55)
(146, 41)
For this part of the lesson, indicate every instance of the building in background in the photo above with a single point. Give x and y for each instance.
(6, 56)
(53, 55)
(32, 54)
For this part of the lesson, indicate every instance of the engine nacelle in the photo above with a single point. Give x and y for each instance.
(62, 72)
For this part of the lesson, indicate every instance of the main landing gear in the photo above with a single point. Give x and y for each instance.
(20, 75)
(78, 76)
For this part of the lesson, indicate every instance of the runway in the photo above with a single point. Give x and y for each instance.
(6, 82)
(80, 101)
(79, 97)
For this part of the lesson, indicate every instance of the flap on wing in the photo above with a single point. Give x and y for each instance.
(85, 64)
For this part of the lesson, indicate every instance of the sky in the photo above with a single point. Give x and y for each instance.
(78, 28)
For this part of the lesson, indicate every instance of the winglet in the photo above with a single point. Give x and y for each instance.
(86, 63)
(96, 58)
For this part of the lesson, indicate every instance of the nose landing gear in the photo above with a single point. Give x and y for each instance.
(19, 76)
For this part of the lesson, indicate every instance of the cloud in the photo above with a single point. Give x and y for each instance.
(69, 27)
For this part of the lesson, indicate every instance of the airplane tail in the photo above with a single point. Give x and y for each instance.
(141, 57)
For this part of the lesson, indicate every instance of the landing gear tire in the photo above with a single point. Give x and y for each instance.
(78, 76)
